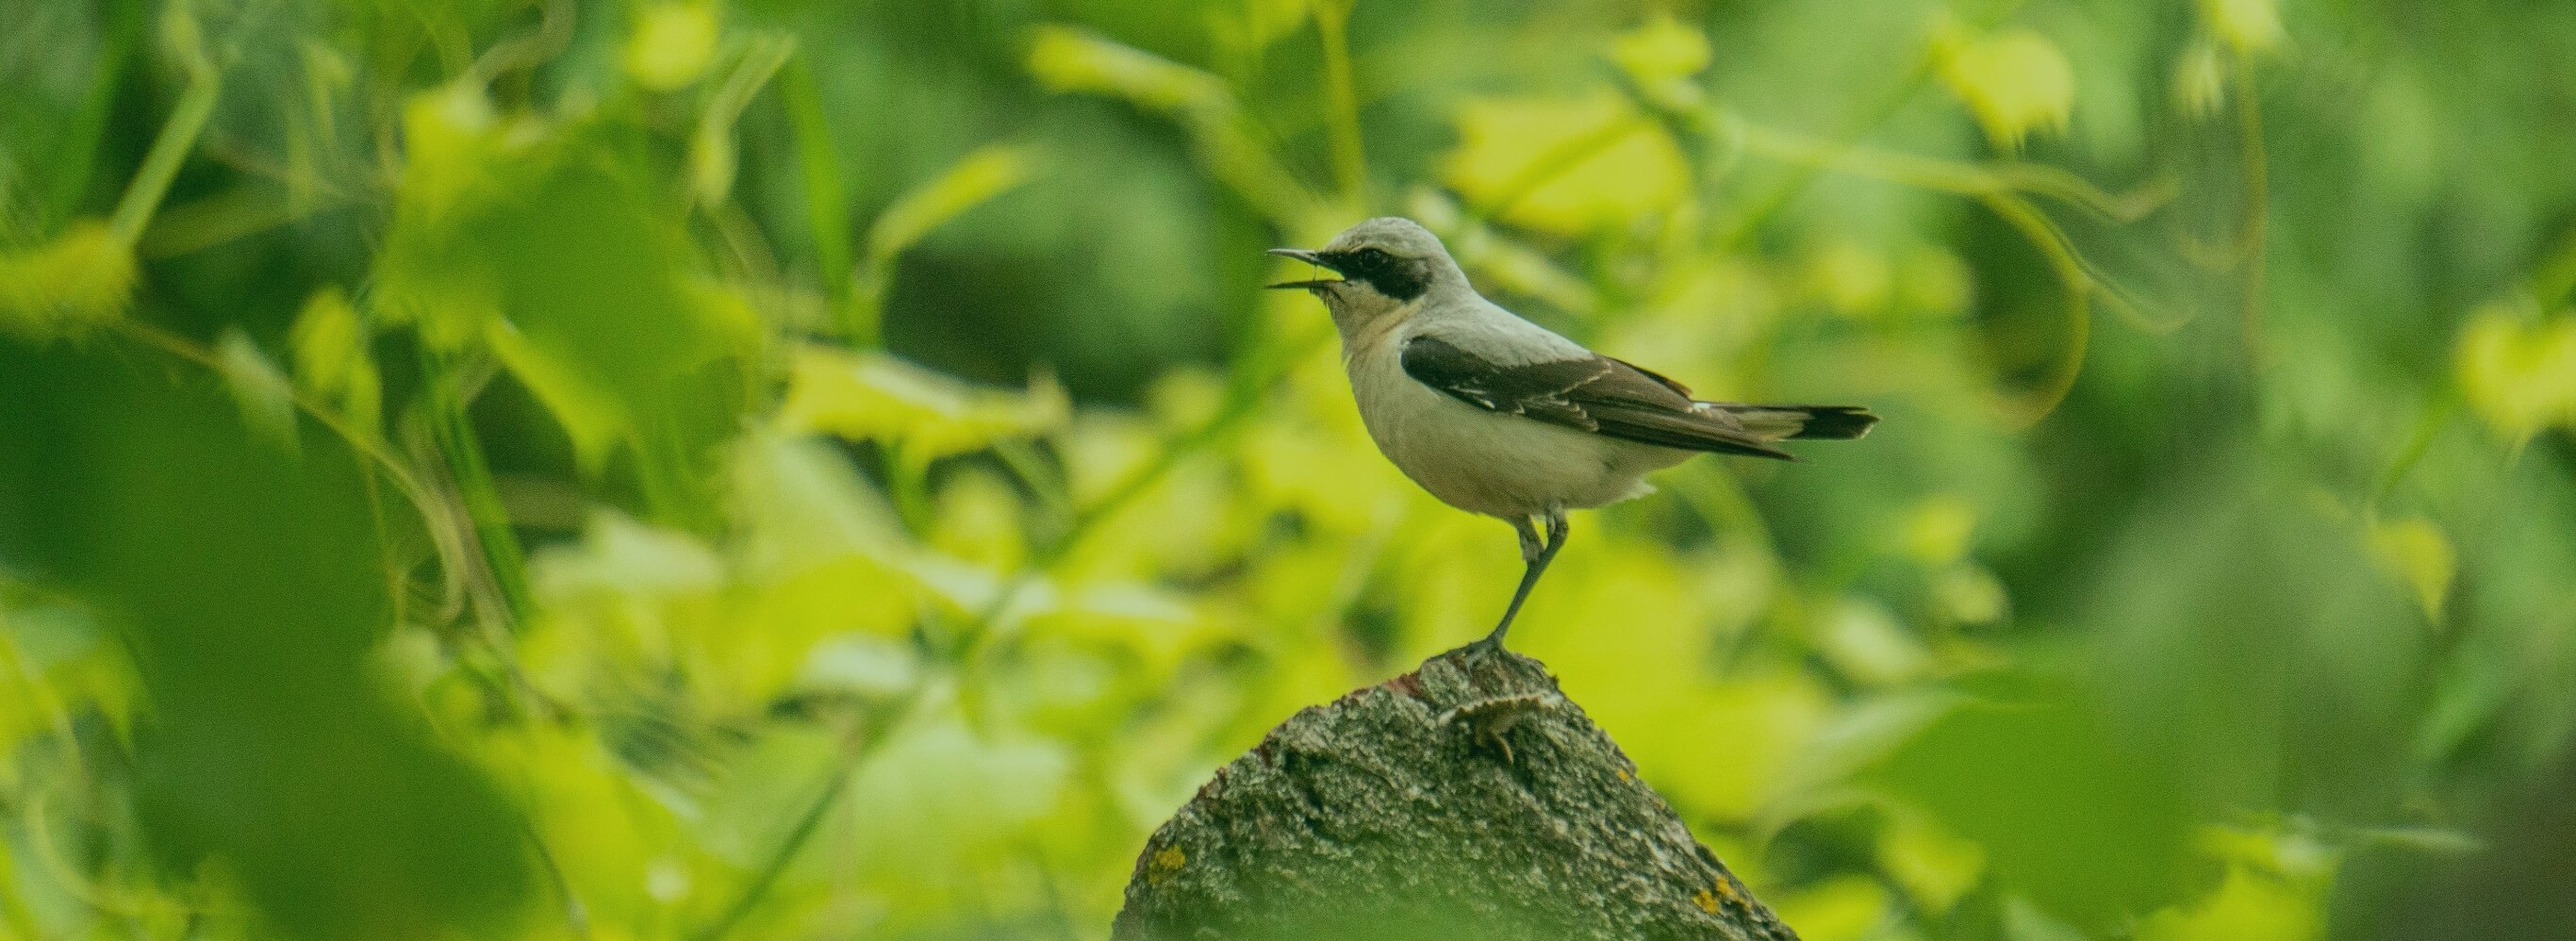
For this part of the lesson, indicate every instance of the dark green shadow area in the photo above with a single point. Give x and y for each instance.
(248, 581)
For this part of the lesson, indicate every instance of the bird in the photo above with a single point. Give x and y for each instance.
(1498, 416)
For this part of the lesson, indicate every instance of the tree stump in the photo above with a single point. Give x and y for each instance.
(1467, 799)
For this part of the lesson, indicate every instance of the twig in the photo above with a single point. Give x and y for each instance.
(1350, 161)
(854, 750)
(2258, 215)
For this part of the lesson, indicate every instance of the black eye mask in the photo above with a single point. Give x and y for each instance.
(1400, 278)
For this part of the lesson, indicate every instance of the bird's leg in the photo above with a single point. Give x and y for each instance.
(1535, 554)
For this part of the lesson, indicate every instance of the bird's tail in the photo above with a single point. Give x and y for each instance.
(1775, 422)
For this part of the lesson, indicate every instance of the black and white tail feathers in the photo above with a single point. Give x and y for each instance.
(1777, 422)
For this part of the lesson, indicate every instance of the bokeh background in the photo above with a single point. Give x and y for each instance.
(631, 469)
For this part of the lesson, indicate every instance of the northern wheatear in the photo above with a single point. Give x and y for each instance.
(1496, 415)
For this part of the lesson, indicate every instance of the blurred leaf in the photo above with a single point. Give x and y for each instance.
(1222, 140)
(978, 177)
(1865, 643)
(333, 360)
(2248, 906)
(1157, 626)
(1851, 278)
(2433, 840)
(881, 398)
(2199, 80)
(79, 280)
(62, 664)
(604, 835)
(1563, 165)
(2026, 922)
(1662, 49)
(2246, 25)
(817, 551)
(1935, 866)
(265, 397)
(453, 144)
(1968, 594)
(1931, 281)
(2015, 81)
(1660, 57)
(2519, 376)
(619, 556)
(1938, 529)
(1844, 908)
(861, 666)
(978, 518)
(1068, 59)
(673, 44)
(2415, 550)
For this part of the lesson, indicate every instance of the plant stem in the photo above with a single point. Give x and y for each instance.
(2258, 216)
(160, 165)
(854, 751)
(454, 432)
(826, 196)
(1350, 161)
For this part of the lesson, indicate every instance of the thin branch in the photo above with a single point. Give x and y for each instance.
(2258, 216)
(855, 749)
(1350, 160)
(160, 165)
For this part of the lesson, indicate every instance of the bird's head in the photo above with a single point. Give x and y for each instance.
(1388, 265)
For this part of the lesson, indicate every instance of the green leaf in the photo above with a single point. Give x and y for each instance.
(1844, 908)
(2246, 25)
(334, 361)
(974, 180)
(2249, 906)
(1934, 865)
(2199, 79)
(672, 45)
(2015, 80)
(1069, 59)
(1564, 165)
(78, 281)
(930, 415)
(2415, 550)
(266, 398)
(2519, 375)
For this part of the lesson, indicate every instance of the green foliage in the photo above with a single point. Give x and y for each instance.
(748, 469)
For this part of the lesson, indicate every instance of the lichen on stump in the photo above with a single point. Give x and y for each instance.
(1467, 799)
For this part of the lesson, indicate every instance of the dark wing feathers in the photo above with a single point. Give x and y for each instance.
(1593, 393)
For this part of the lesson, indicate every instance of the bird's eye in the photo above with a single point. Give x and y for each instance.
(1370, 257)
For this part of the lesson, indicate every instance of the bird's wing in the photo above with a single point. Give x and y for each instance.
(1590, 392)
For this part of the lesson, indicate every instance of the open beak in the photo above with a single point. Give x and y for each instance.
(1313, 258)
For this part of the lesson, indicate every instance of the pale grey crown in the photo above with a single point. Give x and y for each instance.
(1394, 235)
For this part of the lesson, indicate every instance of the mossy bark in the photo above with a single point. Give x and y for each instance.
(1467, 799)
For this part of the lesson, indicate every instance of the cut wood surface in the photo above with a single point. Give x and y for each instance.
(1467, 799)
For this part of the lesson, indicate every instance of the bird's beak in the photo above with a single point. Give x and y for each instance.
(1313, 258)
